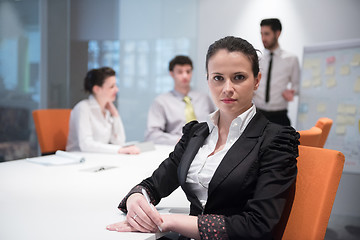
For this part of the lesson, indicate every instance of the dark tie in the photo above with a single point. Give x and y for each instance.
(267, 93)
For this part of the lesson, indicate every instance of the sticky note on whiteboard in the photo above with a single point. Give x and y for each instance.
(351, 109)
(330, 59)
(306, 84)
(307, 64)
(356, 60)
(330, 70)
(340, 130)
(321, 108)
(341, 119)
(341, 108)
(316, 81)
(357, 85)
(345, 70)
(350, 120)
(331, 82)
(316, 72)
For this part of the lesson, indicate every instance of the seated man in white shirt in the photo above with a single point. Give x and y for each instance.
(167, 114)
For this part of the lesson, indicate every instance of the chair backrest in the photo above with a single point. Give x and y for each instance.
(325, 125)
(309, 205)
(310, 137)
(52, 129)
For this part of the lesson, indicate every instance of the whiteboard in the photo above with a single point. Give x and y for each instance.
(330, 87)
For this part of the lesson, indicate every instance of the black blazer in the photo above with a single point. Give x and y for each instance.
(248, 191)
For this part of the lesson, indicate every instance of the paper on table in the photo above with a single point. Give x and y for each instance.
(59, 158)
(143, 146)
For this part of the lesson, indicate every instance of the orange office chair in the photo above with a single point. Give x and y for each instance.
(325, 125)
(52, 129)
(310, 137)
(309, 205)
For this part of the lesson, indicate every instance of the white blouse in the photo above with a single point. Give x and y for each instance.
(92, 131)
(204, 166)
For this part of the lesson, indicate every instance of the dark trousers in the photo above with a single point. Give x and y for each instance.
(279, 117)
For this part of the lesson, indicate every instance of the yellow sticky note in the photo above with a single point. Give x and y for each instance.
(321, 108)
(341, 108)
(350, 109)
(341, 119)
(350, 120)
(331, 82)
(316, 63)
(316, 81)
(316, 72)
(340, 130)
(357, 85)
(356, 60)
(345, 70)
(330, 70)
(307, 64)
(306, 84)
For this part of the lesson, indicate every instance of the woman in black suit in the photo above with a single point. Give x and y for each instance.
(235, 169)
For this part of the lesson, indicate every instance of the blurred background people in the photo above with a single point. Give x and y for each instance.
(95, 124)
(171, 111)
(279, 69)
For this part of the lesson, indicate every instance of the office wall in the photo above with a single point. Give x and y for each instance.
(89, 20)
(304, 23)
(148, 41)
(57, 53)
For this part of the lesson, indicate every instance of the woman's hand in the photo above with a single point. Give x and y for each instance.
(121, 227)
(140, 217)
(112, 109)
(129, 150)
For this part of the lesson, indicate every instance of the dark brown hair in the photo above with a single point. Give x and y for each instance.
(235, 44)
(97, 77)
(180, 60)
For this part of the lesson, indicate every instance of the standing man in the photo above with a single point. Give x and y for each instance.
(171, 111)
(280, 70)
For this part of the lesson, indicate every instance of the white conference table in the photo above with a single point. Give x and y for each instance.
(71, 202)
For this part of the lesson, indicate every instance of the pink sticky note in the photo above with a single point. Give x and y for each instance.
(330, 60)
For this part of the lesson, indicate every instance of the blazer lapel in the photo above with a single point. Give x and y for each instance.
(240, 149)
(193, 146)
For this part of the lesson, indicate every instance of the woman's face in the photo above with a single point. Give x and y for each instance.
(107, 92)
(231, 82)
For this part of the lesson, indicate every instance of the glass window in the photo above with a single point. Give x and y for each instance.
(19, 77)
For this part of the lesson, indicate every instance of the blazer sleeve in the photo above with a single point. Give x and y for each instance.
(164, 179)
(276, 173)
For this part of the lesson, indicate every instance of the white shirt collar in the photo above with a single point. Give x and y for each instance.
(180, 95)
(94, 104)
(241, 120)
(275, 52)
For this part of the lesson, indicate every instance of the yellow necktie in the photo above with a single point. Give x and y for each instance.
(189, 110)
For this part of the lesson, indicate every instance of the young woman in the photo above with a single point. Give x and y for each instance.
(235, 169)
(95, 124)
